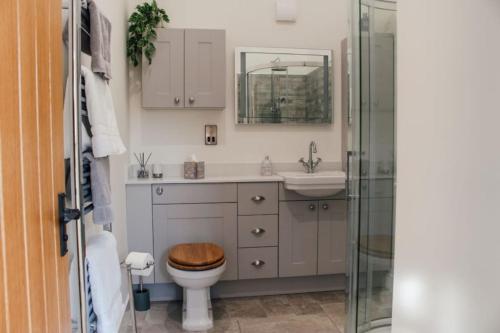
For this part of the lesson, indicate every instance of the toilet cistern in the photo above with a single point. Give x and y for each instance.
(311, 165)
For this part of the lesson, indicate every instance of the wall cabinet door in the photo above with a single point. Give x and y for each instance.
(205, 68)
(298, 238)
(332, 237)
(163, 80)
(192, 223)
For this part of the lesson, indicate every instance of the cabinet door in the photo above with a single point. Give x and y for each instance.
(298, 238)
(205, 68)
(332, 237)
(140, 222)
(163, 80)
(193, 223)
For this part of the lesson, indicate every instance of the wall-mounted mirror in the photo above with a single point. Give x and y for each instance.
(283, 86)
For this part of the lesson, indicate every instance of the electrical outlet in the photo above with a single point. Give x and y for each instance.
(210, 135)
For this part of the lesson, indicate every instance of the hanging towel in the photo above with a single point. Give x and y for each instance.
(100, 189)
(105, 281)
(68, 120)
(106, 138)
(100, 41)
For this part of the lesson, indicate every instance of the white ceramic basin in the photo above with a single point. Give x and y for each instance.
(318, 184)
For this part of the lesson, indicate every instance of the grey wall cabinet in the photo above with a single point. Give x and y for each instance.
(188, 70)
(191, 223)
(163, 80)
(332, 237)
(298, 238)
(205, 71)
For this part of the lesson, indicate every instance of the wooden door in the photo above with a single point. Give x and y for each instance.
(298, 238)
(163, 79)
(205, 68)
(33, 277)
(332, 237)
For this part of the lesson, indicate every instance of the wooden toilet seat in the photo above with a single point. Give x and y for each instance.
(196, 256)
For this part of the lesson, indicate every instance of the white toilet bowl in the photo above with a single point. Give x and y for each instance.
(197, 308)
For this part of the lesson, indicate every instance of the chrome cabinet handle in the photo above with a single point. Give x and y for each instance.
(177, 100)
(312, 207)
(258, 231)
(325, 206)
(258, 263)
(159, 190)
(258, 198)
(191, 99)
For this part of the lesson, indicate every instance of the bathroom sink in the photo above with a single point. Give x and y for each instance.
(318, 184)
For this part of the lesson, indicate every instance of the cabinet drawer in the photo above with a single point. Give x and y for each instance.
(258, 231)
(258, 263)
(257, 198)
(193, 193)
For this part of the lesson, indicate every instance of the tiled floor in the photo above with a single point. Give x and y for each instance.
(300, 313)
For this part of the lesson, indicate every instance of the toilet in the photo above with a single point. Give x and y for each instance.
(196, 267)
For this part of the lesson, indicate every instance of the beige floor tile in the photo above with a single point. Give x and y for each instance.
(289, 324)
(219, 310)
(277, 305)
(305, 304)
(225, 326)
(337, 313)
(329, 297)
(157, 328)
(244, 308)
(299, 313)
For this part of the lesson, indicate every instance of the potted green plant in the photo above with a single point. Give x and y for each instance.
(143, 23)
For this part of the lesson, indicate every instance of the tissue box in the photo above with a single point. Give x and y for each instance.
(194, 170)
(190, 170)
(200, 170)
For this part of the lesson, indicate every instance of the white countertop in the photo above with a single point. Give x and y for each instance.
(209, 179)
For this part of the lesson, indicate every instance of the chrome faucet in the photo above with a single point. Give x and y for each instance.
(311, 165)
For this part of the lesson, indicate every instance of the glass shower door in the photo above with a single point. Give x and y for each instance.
(372, 175)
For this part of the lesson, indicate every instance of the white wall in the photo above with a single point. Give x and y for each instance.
(173, 135)
(447, 267)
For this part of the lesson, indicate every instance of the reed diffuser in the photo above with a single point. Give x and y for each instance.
(143, 162)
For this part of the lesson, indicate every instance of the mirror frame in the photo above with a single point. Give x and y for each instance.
(277, 50)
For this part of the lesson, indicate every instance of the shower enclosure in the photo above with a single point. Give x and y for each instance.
(371, 165)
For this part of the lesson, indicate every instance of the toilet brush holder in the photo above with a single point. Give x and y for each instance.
(141, 298)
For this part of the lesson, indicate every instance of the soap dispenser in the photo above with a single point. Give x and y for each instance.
(266, 167)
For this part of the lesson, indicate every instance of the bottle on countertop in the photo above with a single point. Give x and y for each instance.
(266, 167)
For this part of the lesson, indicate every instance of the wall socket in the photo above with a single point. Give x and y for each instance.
(210, 135)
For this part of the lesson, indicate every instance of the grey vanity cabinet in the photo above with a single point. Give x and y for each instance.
(190, 223)
(188, 70)
(298, 238)
(332, 237)
(312, 237)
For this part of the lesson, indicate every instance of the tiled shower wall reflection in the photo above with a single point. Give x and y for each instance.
(288, 98)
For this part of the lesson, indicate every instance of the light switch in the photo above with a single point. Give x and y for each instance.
(210, 135)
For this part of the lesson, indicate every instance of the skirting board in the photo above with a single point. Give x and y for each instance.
(258, 287)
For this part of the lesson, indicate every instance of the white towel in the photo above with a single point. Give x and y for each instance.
(105, 281)
(68, 125)
(106, 138)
